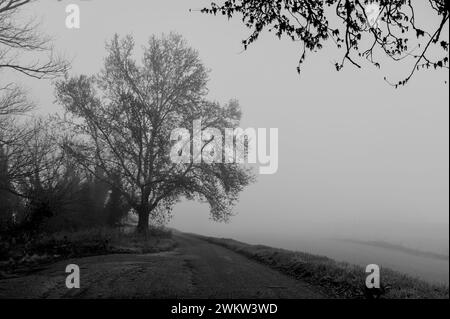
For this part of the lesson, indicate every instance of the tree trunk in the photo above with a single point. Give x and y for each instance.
(143, 218)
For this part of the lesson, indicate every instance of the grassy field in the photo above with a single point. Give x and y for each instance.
(25, 255)
(337, 279)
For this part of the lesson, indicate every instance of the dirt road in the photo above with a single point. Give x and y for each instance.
(195, 269)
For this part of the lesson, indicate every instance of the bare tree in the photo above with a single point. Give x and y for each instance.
(121, 121)
(36, 172)
(35, 160)
(17, 39)
(25, 50)
(13, 102)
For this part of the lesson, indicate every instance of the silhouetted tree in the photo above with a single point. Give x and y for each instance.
(116, 207)
(351, 27)
(122, 120)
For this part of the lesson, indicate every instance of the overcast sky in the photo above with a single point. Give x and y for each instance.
(357, 158)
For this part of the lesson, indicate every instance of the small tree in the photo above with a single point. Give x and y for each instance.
(38, 172)
(121, 120)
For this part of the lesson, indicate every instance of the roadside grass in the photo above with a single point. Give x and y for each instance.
(25, 255)
(336, 279)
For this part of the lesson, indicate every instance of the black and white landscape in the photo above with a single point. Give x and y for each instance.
(247, 149)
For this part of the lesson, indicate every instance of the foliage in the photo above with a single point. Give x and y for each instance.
(347, 24)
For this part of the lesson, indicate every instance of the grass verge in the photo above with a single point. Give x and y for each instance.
(336, 279)
(25, 255)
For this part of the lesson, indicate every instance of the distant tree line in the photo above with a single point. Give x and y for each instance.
(41, 188)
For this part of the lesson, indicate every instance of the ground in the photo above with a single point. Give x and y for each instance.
(195, 269)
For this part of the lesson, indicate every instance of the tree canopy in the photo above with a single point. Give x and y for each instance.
(394, 31)
(121, 121)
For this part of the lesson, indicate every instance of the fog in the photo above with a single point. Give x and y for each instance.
(358, 159)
